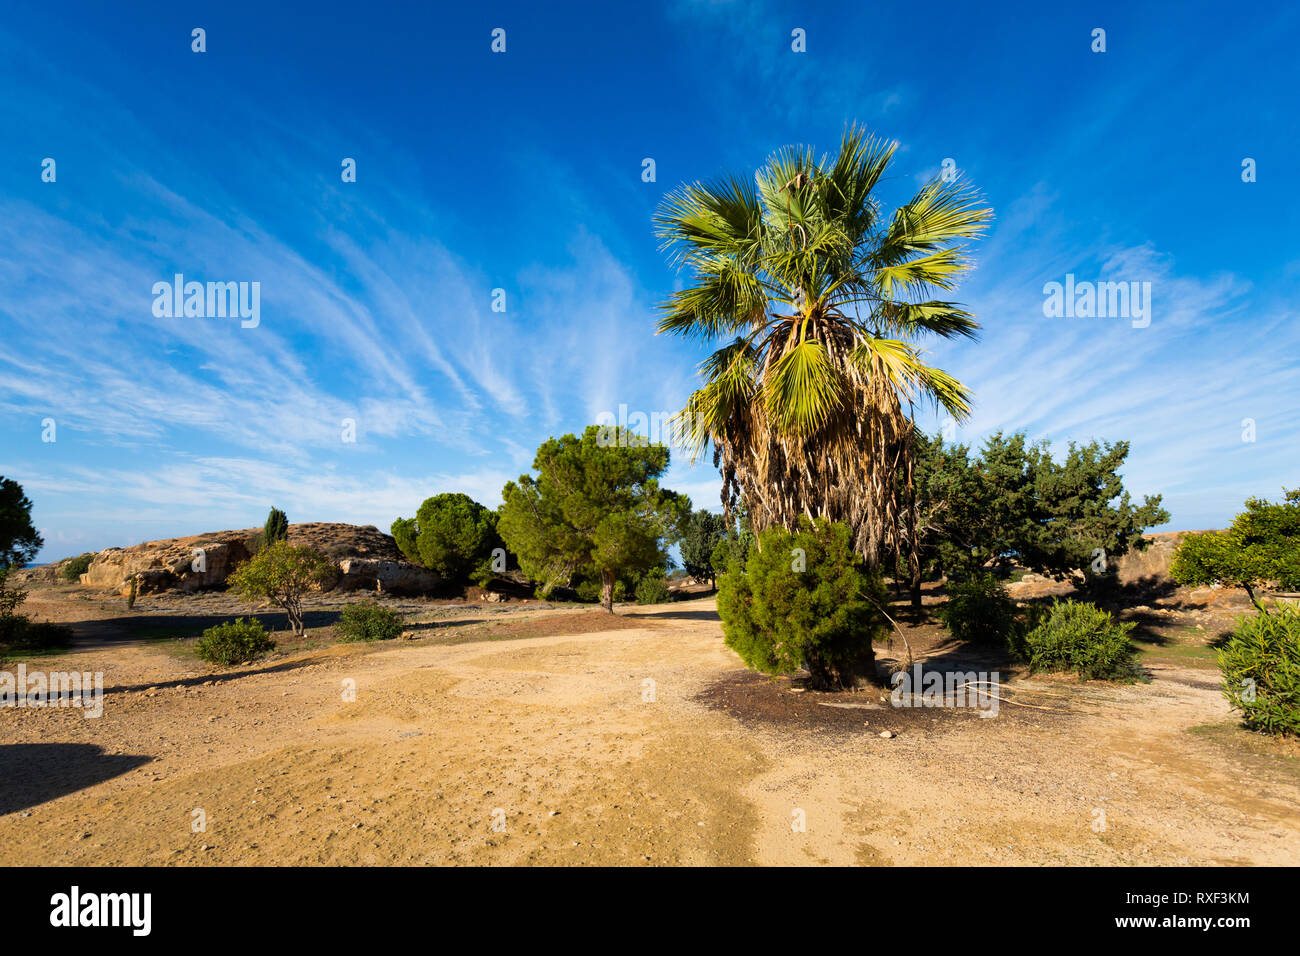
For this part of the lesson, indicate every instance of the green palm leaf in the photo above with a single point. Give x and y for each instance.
(802, 390)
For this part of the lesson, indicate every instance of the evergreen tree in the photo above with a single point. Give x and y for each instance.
(276, 527)
(1015, 503)
(595, 509)
(702, 532)
(451, 534)
(19, 540)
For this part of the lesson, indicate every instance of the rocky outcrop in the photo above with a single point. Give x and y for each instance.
(1150, 566)
(186, 564)
(388, 577)
(43, 576)
(365, 558)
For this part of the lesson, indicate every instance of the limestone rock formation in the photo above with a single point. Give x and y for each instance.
(365, 557)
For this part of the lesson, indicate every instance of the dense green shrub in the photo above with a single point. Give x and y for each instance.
(1081, 637)
(74, 568)
(979, 610)
(804, 599)
(652, 589)
(1261, 670)
(234, 642)
(367, 621)
(735, 544)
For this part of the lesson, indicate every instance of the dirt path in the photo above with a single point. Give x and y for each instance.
(641, 743)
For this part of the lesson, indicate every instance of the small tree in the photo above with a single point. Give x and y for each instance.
(702, 532)
(282, 574)
(1262, 547)
(595, 509)
(19, 539)
(276, 527)
(451, 534)
(804, 599)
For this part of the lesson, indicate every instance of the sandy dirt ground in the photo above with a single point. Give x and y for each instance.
(551, 736)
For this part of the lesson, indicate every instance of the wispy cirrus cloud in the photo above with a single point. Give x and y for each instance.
(524, 174)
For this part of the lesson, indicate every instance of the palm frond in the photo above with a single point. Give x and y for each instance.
(858, 167)
(726, 299)
(940, 212)
(938, 269)
(901, 363)
(720, 218)
(802, 390)
(946, 319)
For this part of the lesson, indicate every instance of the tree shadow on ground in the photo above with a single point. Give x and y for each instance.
(1149, 627)
(146, 628)
(702, 615)
(219, 677)
(32, 774)
(949, 654)
(429, 628)
(1144, 590)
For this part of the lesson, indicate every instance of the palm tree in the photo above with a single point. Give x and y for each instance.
(818, 295)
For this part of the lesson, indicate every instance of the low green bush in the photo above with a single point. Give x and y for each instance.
(652, 589)
(235, 642)
(74, 568)
(367, 621)
(1080, 637)
(1261, 671)
(804, 599)
(980, 610)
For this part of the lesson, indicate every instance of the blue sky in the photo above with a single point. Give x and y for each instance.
(522, 171)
